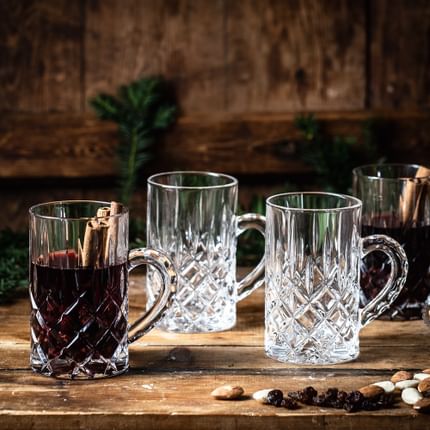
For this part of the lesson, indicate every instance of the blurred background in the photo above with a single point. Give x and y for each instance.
(245, 76)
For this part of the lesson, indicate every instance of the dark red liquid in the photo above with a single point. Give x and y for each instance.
(376, 269)
(78, 312)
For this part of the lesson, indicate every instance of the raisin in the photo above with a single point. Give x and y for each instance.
(275, 397)
(290, 404)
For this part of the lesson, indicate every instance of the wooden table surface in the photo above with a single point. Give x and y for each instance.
(172, 375)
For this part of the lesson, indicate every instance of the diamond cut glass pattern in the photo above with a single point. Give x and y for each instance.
(313, 253)
(191, 216)
(79, 310)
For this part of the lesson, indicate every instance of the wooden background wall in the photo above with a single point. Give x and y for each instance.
(242, 68)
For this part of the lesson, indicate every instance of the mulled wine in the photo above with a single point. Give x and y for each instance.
(375, 269)
(79, 314)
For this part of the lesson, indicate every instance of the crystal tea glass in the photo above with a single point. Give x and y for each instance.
(79, 265)
(313, 254)
(192, 218)
(396, 202)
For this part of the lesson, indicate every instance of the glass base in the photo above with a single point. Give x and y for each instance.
(310, 357)
(197, 327)
(89, 369)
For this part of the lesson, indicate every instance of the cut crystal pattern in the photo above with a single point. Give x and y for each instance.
(79, 331)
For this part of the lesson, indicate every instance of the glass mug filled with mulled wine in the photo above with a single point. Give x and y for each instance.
(396, 202)
(79, 266)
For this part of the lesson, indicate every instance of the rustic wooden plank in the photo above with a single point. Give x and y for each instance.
(247, 333)
(182, 40)
(172, 375)
(399, 60)
(379, 360)
(383, 344)
(289, 55)
(17, 198)
(67, 145)
(51, 419)
(179, 400)
(64, 145)
(40, 48)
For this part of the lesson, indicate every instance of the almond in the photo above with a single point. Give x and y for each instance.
(370, 391)
(423, 406)
(227, 392)
(411, 396)
(401, 375)
(387, 386)
(409, 383)
(424, 387)
(261, 395)
(421, 376)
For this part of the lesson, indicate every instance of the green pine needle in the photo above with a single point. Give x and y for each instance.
(13, 263)
(143, 109)
(334, 158)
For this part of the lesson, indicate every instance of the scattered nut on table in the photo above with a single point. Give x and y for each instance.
(401, 375)
(408, 383)
(421, 376)
(370, 391)
(387, 386)
(227, 392)
(423, 405)
(424, 387)
(261, 395)
(411, 396)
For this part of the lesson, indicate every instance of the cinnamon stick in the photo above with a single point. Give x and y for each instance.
(103, 212)
(112, 235)
(91, 240)
(411, 197)
(80, 251)
(100, 238)
(103, 229)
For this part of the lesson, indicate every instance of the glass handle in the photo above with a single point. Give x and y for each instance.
(166, 268)
(255, 278)
(399, 271)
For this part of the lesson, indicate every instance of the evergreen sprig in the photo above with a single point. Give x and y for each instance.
(142, 110)
(333, 158)
(13, 263)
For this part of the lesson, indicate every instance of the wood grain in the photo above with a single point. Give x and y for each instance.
(40, 55)
(400, 59)
(180, 39)
(17, 196)
(172, 375)
(289, 55)
(74, 146)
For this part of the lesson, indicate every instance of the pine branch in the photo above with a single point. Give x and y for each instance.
(334, 158)
(13, 263)
(143, 109)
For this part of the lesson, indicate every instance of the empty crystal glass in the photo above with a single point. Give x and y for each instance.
(192, 217)
(313, 255)
(79, 265)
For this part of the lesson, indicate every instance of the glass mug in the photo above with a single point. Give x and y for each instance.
(396, 202)
(192, 218)
(313, 254)
(79, 266)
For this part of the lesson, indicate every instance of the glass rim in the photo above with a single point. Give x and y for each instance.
(358, 171)
(357, 203)
(152, 180)
(83, 218)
